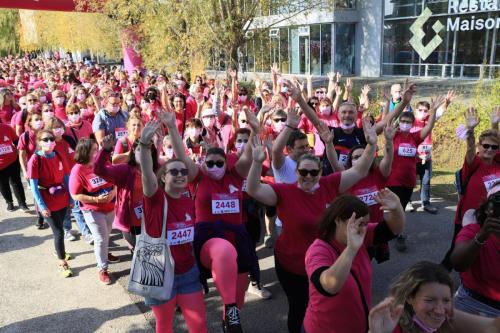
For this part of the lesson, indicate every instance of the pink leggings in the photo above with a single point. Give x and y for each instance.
(193, 310)
(219, 255)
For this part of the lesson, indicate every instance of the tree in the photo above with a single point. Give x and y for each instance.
(9, 34)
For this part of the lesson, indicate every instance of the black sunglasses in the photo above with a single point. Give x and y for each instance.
(48, 139)
(242, 94)
(242, 140)
(211, 164)
(243, 121)
(305, 172)
(176, 172)
(488, 146)
(279, 119)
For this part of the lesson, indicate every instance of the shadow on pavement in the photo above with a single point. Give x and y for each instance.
(16, 223)
(77, 321)
(17, 242)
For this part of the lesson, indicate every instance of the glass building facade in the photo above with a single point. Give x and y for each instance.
(470, 46)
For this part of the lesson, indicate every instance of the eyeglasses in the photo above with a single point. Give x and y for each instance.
(73, 113)
(320, 92)
(314, 103)
(48, 110)
(242, 140)
(305, 172)
(277, 120)
(176, 172)
(47, 139)
(488, 146)
(211, 164)
(243, 121)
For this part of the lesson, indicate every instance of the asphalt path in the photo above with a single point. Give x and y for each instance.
(36, 298)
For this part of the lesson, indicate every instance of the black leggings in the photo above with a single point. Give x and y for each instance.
(130, 237)
(296, 288)
(56, 221)
(404, 193)
(12, 174)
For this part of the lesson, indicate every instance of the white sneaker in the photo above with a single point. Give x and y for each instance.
(89, 239)
(260, 292)
(68, 236)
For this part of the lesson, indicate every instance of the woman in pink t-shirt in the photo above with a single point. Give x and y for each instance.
(125, 143)
(338, 265)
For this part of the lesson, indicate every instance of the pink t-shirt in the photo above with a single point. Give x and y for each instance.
(342, 312)
(483, 276)
(300, 225)
(366, 189)
(6, 113)
(82, 130)
(404, 167)
(29, 146)
(425, 148)
(82, 180)
(8, 151)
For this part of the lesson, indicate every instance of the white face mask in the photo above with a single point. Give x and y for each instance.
(239, 146)
(284, 90)
(346, 127)
(169, 152)
(48, 115)
(278, 127)
(59, 100)
(242, 98)
(115, 109)
(48, 146)
(58, 131)
(74, 118)
(404, 127)
(130, 103)
(193, 132)
(42, 99)
(208, 122)
(325, 110)
(81, 97)
(38, 124)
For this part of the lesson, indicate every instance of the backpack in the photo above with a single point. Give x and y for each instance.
(462, 186)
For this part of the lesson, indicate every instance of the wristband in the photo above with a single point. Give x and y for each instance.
(292, 128)
(476, 240)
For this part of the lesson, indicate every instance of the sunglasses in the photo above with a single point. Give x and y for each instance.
(314, 103)
(319, 92)
(133, 86)
(48, 139)
(242, 94)
(211, 164)
(48, 110)
(488, 146)
(31, 100)
(242, 140)
(176, 172)
(276, 120)
(305, 172)
(243, 121)
(73, 113)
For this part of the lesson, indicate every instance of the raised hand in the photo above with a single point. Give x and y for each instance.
(450, 96)
(293, 90)
(108, 142)
(293, 118)
(331, 76)
(252, 120)
(409, 90)
(356, 231)
(338, 90)
(232, 73)
(384, 317)
(268, 143)
(149, 131)
(325, 134)
(390, 131)
(258, 151)
(387, 200)
(339, 76)
(348, 85)
(495, 115)
(471, 118)
(168, 119)
(370, 131)
(274, 69)
(365, 90)
(437, 102)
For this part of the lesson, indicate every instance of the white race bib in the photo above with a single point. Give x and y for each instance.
(180, 234)
(343, 159)
(426, 148)
(225, 204)
(489, 181)
(120, 133)
(96, 182)
(407, 151)
(5, 149)
(368, 198)
(138, 211)
(244, 186)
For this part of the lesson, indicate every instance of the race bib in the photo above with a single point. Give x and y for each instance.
(225, 204)
(407, 151)
(180, 233)
(138, 211)
(120, 133)
(343, 159)
(490, 180)
(96, 182)
(244, 186)
(368, 197)
(426, 148)
(5, 149)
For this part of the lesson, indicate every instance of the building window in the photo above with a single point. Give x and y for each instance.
(350, 4)
(315, 37)
(326, 49)
(344, 48)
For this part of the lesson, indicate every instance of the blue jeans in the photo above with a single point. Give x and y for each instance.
(464, 302)
(100, 225)
(424, 172)
(80, 221)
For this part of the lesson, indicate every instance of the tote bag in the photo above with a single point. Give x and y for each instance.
(152, 273)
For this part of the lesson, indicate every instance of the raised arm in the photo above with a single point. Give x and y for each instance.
(364, 99)
(348, 90)
(338, 99)
(351, 176)
(333, 278)
(296, 95)
(292, 121)
(495, 117)
(149, 181)
(309, 86)
(385, 166)
(168, 119)
(327, 136)
(233, 73)
(274, 74)
(263, 193)
(243, 164)
(395, 216)
(332, 85)
(435, 104)
(471, 121)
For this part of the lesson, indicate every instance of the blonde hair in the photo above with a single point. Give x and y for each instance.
(492, 134)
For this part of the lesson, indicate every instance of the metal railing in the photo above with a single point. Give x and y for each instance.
(457, 71)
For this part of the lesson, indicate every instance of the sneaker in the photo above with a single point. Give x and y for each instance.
(430, 209)
(42, 226)
(104, 277)
(112, 258)
(66, 270)
(259, 291)
(67, 256)
(68, 236)
(74, 232)
(401, 243)
(10, 206)
(24, 207)
(231, 322)
(89, 239)
(268, 241)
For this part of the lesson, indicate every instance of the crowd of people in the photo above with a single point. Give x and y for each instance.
(209, 162)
